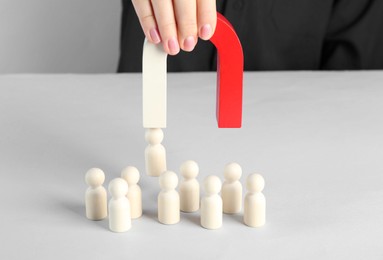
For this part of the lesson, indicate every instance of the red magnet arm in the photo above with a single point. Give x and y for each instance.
(229, 74)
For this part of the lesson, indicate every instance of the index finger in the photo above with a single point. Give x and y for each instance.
(207, 18)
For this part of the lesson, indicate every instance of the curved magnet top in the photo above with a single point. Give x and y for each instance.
(229, 79)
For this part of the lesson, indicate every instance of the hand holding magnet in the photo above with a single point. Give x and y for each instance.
(229, 79)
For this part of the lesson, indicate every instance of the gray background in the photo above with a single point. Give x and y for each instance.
(55, 36)
(317, 139)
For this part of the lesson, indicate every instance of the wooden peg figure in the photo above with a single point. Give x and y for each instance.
(232, 189)
(119, 206)
(131, 175)
(168, 199)
(189, 187)
(95, 196)
(211, 204)
(255, 202)
(155, 153)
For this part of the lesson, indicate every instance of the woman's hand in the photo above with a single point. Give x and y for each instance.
(176, 23)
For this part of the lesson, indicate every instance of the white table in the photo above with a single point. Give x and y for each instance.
(316, 137)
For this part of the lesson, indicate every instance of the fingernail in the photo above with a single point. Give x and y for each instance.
(155, 35)
(189, 43)
(205, 32)
(173, 46)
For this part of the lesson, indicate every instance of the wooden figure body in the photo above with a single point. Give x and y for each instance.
(95, 196)
(189, 187)
(155, 153)
(119, 206)
(168, 199)
(211, 204)
(131, 175)
(232, 189)
(255, 202)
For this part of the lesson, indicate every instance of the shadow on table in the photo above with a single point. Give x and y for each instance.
(151, 214)
(193, 218)
(78, 209)
(237, 218)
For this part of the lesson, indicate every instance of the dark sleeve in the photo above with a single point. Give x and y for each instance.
(279, 35)
(275, 35)
(354, 38)
(131, 40)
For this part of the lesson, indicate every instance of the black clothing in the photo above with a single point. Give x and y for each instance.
(280, 35)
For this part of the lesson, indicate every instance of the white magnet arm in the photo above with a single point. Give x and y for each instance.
(154, 85)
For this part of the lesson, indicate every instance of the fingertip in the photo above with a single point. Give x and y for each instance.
(205, 32)
(154, 36)
(189, 43)
(172, 47)
(207, 18)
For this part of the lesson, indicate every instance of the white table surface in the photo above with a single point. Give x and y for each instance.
(316, 137)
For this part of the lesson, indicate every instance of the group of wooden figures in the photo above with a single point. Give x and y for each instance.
(126, 201)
